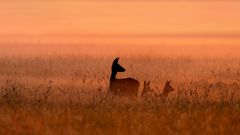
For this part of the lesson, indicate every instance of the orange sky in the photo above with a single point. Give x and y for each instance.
(118, 18)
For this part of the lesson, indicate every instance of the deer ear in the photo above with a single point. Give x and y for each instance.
(149, 82)
(168, 82)
(116, 60)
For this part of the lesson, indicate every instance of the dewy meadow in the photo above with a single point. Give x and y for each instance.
(119, 67)
(63, 88)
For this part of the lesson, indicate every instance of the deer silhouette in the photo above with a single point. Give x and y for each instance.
(166, 90)
(147, 89)
(124, 86)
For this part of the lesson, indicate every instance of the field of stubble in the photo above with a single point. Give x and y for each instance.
(67, 93)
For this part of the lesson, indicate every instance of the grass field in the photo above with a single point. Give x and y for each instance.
(63, 89)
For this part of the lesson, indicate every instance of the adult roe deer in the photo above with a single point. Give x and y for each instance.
(124, 86)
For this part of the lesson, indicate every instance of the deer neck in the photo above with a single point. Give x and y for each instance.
(165, 92)
(113, 75)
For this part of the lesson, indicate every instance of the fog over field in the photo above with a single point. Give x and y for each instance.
(57, 87)
(59, 58)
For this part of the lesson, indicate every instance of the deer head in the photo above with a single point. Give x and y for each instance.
(116, 67)
(146, 88)
(167, 89)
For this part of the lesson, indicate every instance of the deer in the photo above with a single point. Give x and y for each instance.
(166, 90)
(147, 89)
(124, 86)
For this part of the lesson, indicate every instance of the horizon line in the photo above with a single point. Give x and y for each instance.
(137, 0)
(166, 35)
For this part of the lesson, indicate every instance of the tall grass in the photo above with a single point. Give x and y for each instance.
(68, 94)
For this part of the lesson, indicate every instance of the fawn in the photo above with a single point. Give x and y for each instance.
(166, 90)
(147, 89)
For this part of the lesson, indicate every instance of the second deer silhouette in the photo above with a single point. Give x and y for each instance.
(124, 86)
(147, 89)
